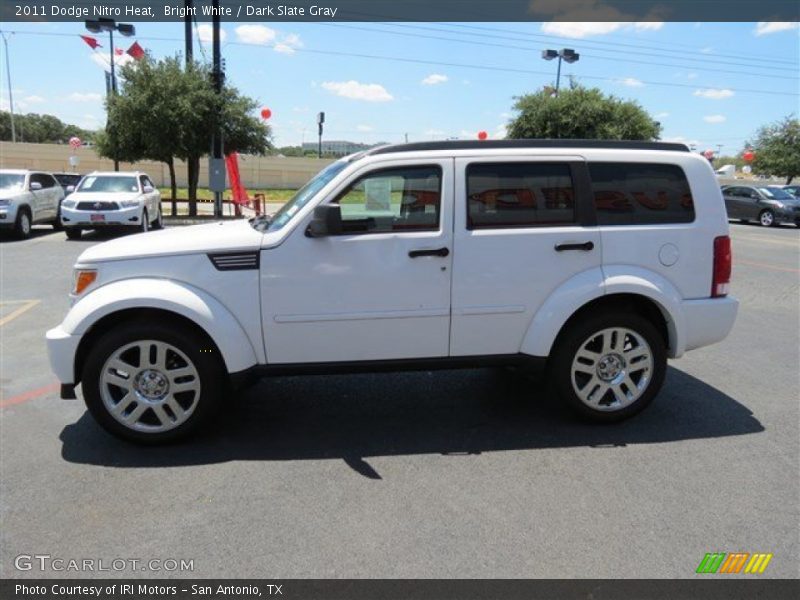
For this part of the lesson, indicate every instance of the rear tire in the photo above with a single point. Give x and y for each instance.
(609, 367)
(151, 383)
(73, 233)
(22, 226)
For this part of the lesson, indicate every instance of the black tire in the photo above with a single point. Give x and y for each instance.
(196, 347)
(745, 221)
(767, 218)
(144, 226)
(57, 226)
(73, 233)
(159, 222)
(573, 339)
(23, 224)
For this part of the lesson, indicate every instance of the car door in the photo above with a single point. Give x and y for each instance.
(151, 197)
(730, 197)
(55, 195)
(751, 203)
(522, 228)
(40, 197)
(380, 290)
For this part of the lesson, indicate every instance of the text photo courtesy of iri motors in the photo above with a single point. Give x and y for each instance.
(382, 299)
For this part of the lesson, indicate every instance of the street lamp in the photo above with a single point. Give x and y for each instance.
(566, 54)
(110, 25)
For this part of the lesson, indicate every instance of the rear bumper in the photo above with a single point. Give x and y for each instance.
(61, 350)
(708, 320)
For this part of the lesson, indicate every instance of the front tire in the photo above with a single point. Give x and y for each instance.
(151, 383)
(767, 219)
(159, 222)
(73, 233)
(22, 226)
(144, 227)
(609, 367)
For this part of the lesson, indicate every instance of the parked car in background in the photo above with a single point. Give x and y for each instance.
(68, 181)
(793, 189)
(770, 205)
(112, 199)
(427, 255)
(28, 198)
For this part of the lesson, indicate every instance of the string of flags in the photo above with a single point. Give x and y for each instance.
(135, 51)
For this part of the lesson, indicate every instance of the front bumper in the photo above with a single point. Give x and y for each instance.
(61, 350)
(787, 215)
(8, 216)
(708, 320)
(71, 217)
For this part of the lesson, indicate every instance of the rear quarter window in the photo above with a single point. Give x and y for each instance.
(640, 194)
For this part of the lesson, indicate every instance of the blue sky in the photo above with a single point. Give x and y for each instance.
(702, 89)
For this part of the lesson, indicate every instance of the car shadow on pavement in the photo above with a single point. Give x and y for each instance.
(353, 417)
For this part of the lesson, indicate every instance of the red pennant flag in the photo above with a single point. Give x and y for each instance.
(136, 51)
(93, 43)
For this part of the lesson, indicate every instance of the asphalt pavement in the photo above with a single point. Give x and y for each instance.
(467, 474)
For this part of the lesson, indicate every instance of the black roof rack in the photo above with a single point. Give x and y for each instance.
(488, 144)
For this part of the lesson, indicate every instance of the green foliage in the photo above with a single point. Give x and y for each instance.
(777, 149)
(581, 113)
(40, 129)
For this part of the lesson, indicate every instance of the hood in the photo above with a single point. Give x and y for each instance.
(213, 237)
(11, 194)
(103, 196)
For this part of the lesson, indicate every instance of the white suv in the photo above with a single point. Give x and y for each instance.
(112, 199)
(27, 198)
(599, 260)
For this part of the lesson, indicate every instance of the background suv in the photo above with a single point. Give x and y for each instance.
(26, 198)
(115, 198)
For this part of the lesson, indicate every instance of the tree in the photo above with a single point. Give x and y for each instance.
(165, 111)
(40, 129)
(777, 149)
(581, 113)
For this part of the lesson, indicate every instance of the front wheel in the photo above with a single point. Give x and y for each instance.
(767, 219)
(159, 222)
(73, 233)
(610, 367)
(152, 383)
(22, 226)
(144, 227)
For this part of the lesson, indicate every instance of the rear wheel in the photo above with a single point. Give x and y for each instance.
(73, 233)
(22, 226)
(152, 383)
(610, 367)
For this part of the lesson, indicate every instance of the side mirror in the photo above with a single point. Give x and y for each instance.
(35, 186)
(70, 189)
(327, 221)
(148, 189)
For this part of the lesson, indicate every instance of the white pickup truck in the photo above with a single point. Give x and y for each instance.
(597, 260)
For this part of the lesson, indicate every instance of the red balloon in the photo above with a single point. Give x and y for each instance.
(482, 135)
(709, 154)
(748, 155)
(266, 113)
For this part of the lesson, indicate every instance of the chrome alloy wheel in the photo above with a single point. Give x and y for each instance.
(612, 369)
(150, 386)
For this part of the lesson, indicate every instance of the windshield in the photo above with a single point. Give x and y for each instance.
(776, 193)
(305, 194)
(11, 181)
(109, 183)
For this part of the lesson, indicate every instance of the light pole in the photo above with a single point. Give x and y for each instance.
(566, 54)
(110, 25)
(320, 122)
(10, 94)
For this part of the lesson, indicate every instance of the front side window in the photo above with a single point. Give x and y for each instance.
(640, 194)
(109, 184)
(395, 199)
(517, 194)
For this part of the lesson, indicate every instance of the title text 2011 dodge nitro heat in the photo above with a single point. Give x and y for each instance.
(597, 259)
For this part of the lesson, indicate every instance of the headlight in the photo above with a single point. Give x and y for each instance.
(68, 203)
(83, 278)
(780, 204)
(129, 203)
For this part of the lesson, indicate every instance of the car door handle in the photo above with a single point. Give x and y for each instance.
(438, 252)
(586, 247)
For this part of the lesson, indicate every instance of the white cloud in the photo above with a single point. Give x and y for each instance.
(766, 27)
(369, 92)
(255, 34)
(283, 48)
(434, 132)
(584, 18)
(631, 82)
(205, 33)
(364, 128)
(662, 115)
(33, 99)
(500, 132)
(714, 94)
(101, 60)
(707, 50)
(87, 97)
(714, 119)
(434, 78)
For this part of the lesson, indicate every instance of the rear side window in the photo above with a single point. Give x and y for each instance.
(640, 194)
(501, 195)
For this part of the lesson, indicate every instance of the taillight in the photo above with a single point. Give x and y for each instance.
(722, 267)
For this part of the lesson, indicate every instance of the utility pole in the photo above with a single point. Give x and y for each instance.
(320, 121)
(217, 171)
(187, 28)
(10, 93)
